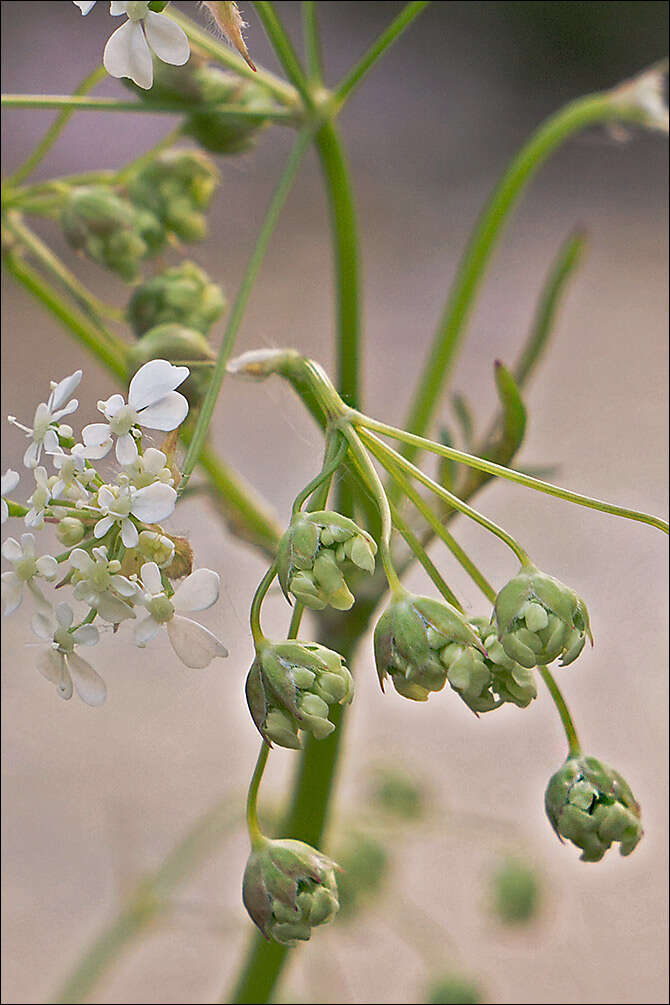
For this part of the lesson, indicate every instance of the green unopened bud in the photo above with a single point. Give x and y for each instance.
(110, 230)
(397, 793)
(176, 186)
(288, 889)
(515, 892)
(183, 295)
(509, 681)
(291, 686)
(453, 990)
(70, 531)
(365, 867)
(540, 619)
(409, 639)
(315, 555)
(177, 345)
(155, 547)
(590, 804)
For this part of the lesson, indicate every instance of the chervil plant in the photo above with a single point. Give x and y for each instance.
(106, 489)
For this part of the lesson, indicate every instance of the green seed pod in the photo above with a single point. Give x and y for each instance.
(177, 345)
(316, 553)
(175, 187)
(540, 619)
(291, 686)
(288, 889)
(515, 892)
(70, 531)
(409, 639)
(453, 990)
(110, 230)
(590, 804)
(183, 295)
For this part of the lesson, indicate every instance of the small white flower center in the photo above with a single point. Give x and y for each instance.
(25, 568)
(137, 9)
(63, 640)
(160, 608)
(124, 420)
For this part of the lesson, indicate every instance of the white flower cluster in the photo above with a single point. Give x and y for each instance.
(118, 562)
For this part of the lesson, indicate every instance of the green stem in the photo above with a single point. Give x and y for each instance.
(386, 457)
(419, 442)
(330, 466)
(148, 901)
(422, 556)
(73, 104)
(310, 30)
(54, 130)
(237, 312)
(574, 747)
(377, 49)
(255, 833)
(283, 48)
(257, 602)
(587, 111)
(296, 618)
(453, 500)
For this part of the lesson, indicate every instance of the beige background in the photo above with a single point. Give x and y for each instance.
(92, 798)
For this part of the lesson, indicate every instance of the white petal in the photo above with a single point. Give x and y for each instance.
(198, 591)
(195, 646)
(113, 609)
(153, 460)
(47, 566)
(111, 406)
(86, 635)
(106, 497)
(50, 442)
(4, 511)
(9, 481)
(123, 586)
(51, 665)
(96, 434)
(84, 5)
(68, 409)
(12, 550)
(28, 545)
(12, 592)
(153, 380)
(32, 454)
(64, 615)
(129, 534)
(81, 560)
(166, 414)
(127, 54)
(96, 453)
(126, 449)
(42, 624)
(154, 503)
(151, 578)
(145, 631)
(102, 526)
(40, 601)
(118, 7)
(34, 518)
(166, 38)
(89, 684)
(84, 591)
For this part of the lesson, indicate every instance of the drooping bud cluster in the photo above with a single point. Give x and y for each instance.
(591, 805)
(176, 186)
(291, 686)
(316, 552)
(289, 888)
(540, 619)
(182, 295)
(110, 229)
(410, 639)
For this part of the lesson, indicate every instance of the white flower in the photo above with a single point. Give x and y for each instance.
(156, 548)
(128, 51)
(73, 474)
(60, 664)
(43, 433)
(9, 481)
(195, 646)
(39, 499)
(152, 402)
(149, 467)
(26, 567)
(97, 581)
(117, 502)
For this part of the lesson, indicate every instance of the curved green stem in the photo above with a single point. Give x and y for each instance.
(54, 130)
(330, 466)
(377, 49)
(450, 498)
(259, 597)
(237, 313)
(587, 111)
(419, 442)
(422, 556)
(574, 746)
(255, 833)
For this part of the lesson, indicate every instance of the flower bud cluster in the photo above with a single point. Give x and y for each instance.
(182, 295)
(118, 563)
(316, 553)
(540, 619)
(291, 687)
(176, 186)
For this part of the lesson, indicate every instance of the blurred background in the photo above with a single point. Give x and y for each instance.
(93, 799)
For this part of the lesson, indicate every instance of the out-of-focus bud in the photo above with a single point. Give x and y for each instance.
(591, 805)
(176, 344)
(365, 866)
(183, 295)
(289, 888)
(451, 989)
(510, 682)
(515, 892)
(110, 230)
(409, 639)
(176, 186)
(182, 562)
(396, 793)
(540, 619)
(645, 95)
(291, 686)
(70, 531)
(155, 547)
(315, 553)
